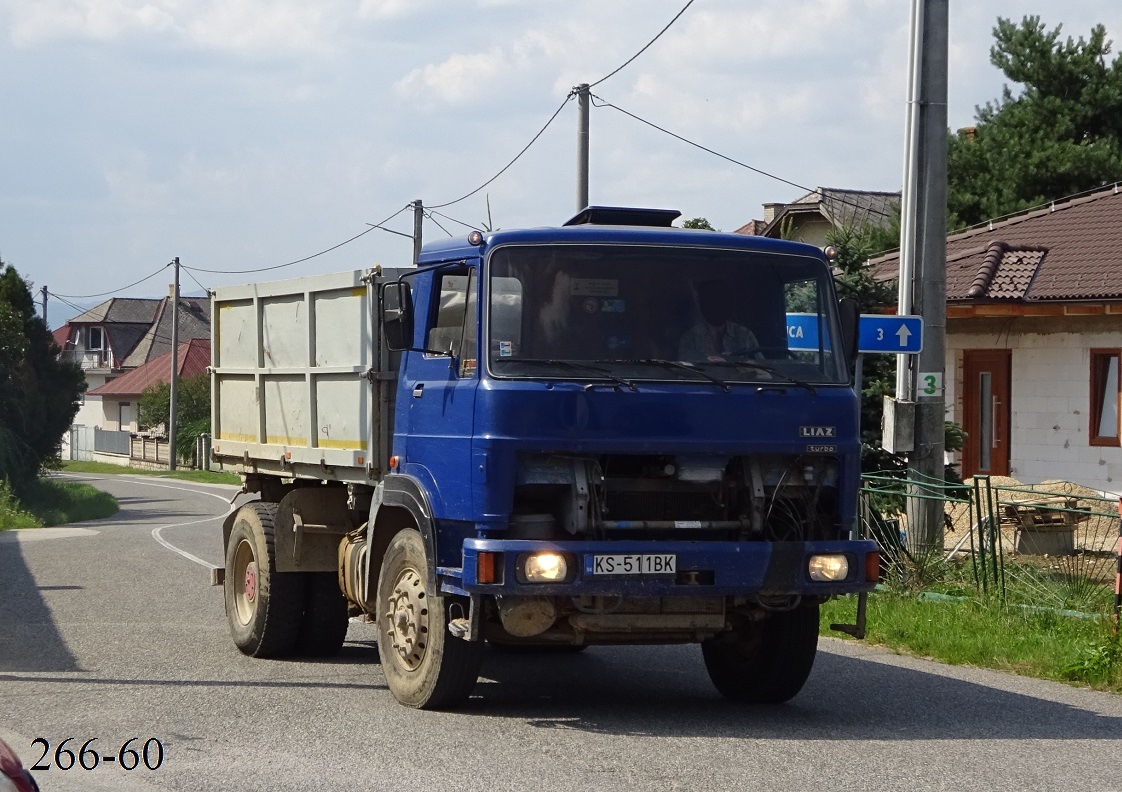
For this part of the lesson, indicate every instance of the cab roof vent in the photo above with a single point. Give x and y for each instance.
(625, 216)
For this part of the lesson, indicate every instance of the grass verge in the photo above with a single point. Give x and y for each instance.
(197, 476)
(54, 502)
(1038, 643)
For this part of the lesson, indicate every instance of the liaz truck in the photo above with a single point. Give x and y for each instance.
(600, 433)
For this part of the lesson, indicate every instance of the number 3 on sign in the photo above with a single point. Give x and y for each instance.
(930, 384)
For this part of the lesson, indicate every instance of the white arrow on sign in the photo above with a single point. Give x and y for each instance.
(903, 334)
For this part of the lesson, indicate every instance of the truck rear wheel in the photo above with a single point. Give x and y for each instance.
(764, 662)
(263, 607)
(323, 628)
(424, 665)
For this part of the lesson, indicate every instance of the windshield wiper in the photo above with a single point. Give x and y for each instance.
(584, 367)
(765, 368)
(680, 365)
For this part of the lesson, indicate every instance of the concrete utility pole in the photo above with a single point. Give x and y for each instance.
(172, 406)
(418, 221)
(929, 294)
(582, 146)
(44, 291)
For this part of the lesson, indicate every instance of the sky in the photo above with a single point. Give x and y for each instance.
(238, 134)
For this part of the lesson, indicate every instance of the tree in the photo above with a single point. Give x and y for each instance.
(38, 392)
(699, 222)
(1062, 134)
(192, 401)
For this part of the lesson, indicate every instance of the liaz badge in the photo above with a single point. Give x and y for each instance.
(818, 431)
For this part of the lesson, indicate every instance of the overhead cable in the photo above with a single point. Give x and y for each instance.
(600, 102)
(518, 156)
(645, 47)
(305, 258)
(113, 291)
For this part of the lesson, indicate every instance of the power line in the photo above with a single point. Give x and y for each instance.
(518, 156)
(114, 291)
(438, 225)
(645, 47)
(196, 280)
(599, 102)
(306, 258)
(454, 220)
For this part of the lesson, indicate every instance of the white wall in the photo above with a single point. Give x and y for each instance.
(1051, 397)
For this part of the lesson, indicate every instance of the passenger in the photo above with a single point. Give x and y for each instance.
(716, 338)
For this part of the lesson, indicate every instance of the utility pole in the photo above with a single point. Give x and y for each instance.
(923, 264)
(418, 220)
(582, 146)
(44, 291)
(174, 367)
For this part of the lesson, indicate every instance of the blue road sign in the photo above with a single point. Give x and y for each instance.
(802, 331)
(883, 333)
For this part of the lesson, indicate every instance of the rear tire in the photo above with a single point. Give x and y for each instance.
(323, 628)
(264, 607)
(425, 666)
(764, 662)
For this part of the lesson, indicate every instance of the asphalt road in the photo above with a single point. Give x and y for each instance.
(107, 633)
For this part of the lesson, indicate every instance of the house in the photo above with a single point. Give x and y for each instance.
(813, 216)
(117, 336)
(1034, 339)
(120, 396)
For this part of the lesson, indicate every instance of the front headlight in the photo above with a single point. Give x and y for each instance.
(827, 568)
(544, 568)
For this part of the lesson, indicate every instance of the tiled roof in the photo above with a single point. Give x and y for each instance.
(843, 208)
(61, 335)
(194, 322)
(193, 358)
(129, 310)
(1069, 251)
(752, 228)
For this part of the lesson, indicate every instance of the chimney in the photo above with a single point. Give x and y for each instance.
(771, 210)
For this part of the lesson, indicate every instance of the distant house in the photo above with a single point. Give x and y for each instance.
(120, 335)
(1034, 340)
(811, 218)
(120, 396)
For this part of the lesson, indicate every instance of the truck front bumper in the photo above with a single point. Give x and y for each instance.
(748, 569)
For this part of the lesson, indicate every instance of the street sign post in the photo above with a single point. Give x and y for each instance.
(876, 333)
(884, 333)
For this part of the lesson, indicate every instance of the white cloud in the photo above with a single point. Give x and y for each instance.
(459, 79)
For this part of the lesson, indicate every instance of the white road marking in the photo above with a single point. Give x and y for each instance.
(156, 532)
(35, 534)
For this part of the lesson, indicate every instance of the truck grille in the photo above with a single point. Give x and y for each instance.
(663, 506)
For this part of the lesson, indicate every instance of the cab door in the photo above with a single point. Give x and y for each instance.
(439, 387)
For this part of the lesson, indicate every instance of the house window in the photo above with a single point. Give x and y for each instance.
(1105, 396)
(96, 339)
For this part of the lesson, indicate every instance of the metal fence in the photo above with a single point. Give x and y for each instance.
(1051, 545)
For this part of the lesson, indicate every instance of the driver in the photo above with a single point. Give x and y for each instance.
(715, 337)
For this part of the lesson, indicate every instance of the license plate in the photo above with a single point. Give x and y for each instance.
(646, 564)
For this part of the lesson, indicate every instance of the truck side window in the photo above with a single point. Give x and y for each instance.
(447, 333)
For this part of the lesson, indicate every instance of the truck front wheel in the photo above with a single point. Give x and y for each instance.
(424, 665)
(263, 607)
(764, 662)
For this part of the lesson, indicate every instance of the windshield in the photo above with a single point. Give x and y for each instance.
(632, 313)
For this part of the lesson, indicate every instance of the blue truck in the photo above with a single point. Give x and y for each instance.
(560, 437)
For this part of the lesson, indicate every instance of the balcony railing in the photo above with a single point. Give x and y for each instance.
(89, 358)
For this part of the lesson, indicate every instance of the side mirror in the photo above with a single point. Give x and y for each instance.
(397, 315)
(850, 315)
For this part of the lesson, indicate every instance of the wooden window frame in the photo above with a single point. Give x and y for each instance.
(1097, 373)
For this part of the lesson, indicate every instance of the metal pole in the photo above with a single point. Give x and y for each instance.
(44, 290)
(582, 146)
(172, 406)
(418, 220)
(926, 463)
(908, 196)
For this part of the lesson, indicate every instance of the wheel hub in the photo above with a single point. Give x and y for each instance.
(408, 616)
(245, 570)
(251, 581)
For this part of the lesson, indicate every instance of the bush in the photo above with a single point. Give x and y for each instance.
(11, 515)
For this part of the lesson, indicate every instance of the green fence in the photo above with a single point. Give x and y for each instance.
(1048, 545)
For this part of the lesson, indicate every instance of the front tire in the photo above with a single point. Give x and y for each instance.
(764, 662)
(424, 665)
(263, 607)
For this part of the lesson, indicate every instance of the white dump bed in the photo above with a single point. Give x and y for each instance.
(299, 382)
